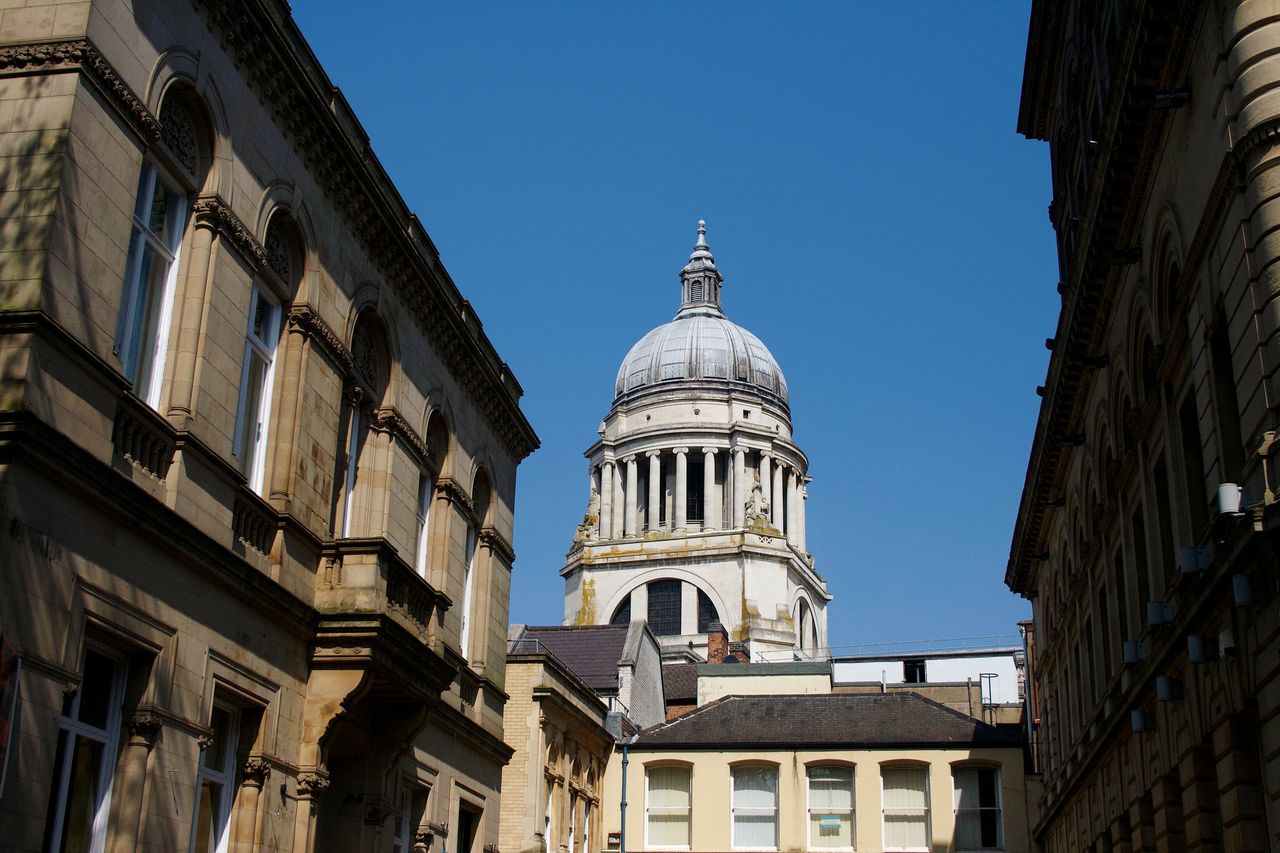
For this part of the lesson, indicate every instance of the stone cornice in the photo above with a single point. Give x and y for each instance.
(499, 544)
(308, 109)
(308, 321)
(214, 213)
(82, 55)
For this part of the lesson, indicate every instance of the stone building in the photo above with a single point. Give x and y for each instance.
(821, 772)
(1146, 533)
(697, 492)
(258, 456)
(575, 691)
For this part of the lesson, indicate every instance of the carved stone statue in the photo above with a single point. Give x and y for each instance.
(589, 529)
(757, 506)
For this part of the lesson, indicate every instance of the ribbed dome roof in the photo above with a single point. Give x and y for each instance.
(700, 347)
(700, 344)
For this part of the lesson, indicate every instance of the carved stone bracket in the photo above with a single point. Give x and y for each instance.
(387, 419)
(313, 783)
(214, 213)
(449, 490)
(498, 543)
(52, 56)
(253, 521)
(308, 321)
(143, 437)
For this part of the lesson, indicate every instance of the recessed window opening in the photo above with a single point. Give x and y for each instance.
(913, 671)
(979, 824)
(755, 808)
(254, 405)
(831, 807)
(216, 782)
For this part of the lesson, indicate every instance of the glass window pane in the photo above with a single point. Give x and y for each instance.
(82, 795)
(206, 833)
(157, 217)
(96, 688)
(215, 755)
(664, 607)
(905, 832)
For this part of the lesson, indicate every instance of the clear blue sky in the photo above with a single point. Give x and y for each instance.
(880, 225)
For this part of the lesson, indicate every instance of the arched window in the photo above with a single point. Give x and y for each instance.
(668, 808)
(437, 439)
(806, 632)
(171, 171)
(622, 616)
(253, 409)
(369, 375)
(706, 613)
(830, 804)
(480, 493)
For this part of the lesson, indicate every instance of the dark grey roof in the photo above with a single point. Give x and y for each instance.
(592, 652)
(873, 721)
(680, 683)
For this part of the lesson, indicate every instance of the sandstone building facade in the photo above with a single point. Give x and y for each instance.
(257, 456)
(1146, 534)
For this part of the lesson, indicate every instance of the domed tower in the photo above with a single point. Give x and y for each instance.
(696, 508)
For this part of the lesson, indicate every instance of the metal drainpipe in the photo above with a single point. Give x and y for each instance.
(622, 836)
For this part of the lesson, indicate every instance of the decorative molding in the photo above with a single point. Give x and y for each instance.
(81, 54)
(254, 521)
(308, 321)
(387, 419)
(312, 783)
(396, 243)
(449, 490)
(145, 725)
(215, 214)
(497, 542)
(256, 771)
(142, 437)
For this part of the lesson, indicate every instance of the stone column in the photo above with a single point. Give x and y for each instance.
(633, 496)
(766, 479)
(710, 506)
(680, 510)
(655, 488)
(606, 500)
(192, 296)
(776, 495)
(792, 495)
(311, 787)
(248, 829)
(619, 512)
(802, 495)
(133, 780)
(739, 487)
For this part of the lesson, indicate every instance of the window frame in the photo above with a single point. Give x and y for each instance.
(426, 493)
(468, 588)
(355, 444)
(688, 770)
(998, 808)
(853, 806)
(226, 778)
(734, 770)
(143, 362)
(928, 816)
(253, 458)
(70, 730)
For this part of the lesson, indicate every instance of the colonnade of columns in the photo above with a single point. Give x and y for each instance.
(723, 494)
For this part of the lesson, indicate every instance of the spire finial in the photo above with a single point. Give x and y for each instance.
(700, 281)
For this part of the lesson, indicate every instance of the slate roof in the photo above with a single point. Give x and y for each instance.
(680, 683)
(591, 652)
(874, 721)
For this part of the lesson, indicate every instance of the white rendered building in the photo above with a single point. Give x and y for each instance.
(697, 492)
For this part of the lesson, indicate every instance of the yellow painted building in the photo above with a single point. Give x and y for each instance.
(834, 772)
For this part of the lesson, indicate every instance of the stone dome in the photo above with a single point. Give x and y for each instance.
(700, 348)
(700, 345)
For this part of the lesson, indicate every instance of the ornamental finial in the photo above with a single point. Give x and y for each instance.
(700, 281)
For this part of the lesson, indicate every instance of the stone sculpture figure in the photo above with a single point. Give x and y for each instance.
(589, 529)
(757, 506)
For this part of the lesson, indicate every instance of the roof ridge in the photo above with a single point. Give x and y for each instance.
(687, 715)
